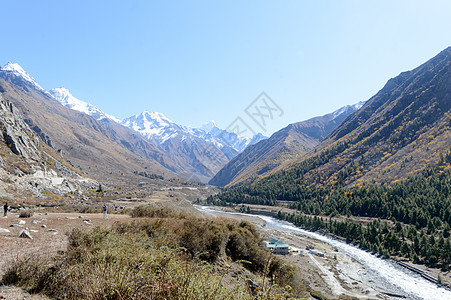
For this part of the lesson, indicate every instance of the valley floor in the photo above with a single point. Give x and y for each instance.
(336, 275)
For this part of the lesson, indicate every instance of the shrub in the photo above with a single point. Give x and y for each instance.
(103, 264)
(149, 211)
(166, 257)
(27, 213)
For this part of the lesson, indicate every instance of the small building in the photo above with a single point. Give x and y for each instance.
(142, 183)
(281, 249)
(278, 247)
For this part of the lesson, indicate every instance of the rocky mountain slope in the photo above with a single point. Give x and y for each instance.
(398, 132)
(192, 153)
(287, 144)
(103, 149)
(28, 166)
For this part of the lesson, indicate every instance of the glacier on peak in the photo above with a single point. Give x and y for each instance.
(17, 70)
(156, 126)
(153, 126)
(156, 116)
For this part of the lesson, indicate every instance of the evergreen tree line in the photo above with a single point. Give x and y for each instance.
(384, 239)
(421, 204)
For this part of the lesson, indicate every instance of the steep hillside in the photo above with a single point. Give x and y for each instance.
(400, 131)
(287, 144)
(28, 166)
(193, 153)
(389, 161)
(102, 149)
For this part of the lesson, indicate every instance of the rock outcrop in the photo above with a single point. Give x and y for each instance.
(16, 133)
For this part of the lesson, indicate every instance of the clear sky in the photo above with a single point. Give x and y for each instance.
(200, 60)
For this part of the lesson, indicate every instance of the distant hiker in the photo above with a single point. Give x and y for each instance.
(5, 209)
(104, 210)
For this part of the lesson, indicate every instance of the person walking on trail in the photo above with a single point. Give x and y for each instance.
(5, 209)
(104, 211)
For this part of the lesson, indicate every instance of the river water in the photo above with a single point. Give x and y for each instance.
(386, 274)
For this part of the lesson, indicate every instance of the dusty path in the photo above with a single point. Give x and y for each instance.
(46, 241)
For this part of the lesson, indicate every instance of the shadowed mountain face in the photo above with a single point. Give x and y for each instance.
(400, 131)
(103, 149)
(287, 144)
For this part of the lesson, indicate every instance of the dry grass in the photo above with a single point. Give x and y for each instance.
(168, 256)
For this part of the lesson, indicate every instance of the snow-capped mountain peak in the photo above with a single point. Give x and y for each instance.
(155, 117)
(157, 127)
(208, 126)
(153, 125)
(63, 96)
(16, 69)
(210, 132)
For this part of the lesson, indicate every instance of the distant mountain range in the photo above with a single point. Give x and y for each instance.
(154, 126)
(197, 154)
(285, 145)
(157, 127)
(193, 153)
(402, 130)
(99, 149)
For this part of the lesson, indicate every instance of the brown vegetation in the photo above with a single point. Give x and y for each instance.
(165, 256)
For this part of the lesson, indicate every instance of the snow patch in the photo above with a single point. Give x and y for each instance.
(17, 70)
(346, 108)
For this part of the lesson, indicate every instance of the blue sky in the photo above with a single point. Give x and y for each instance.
(200, 60)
